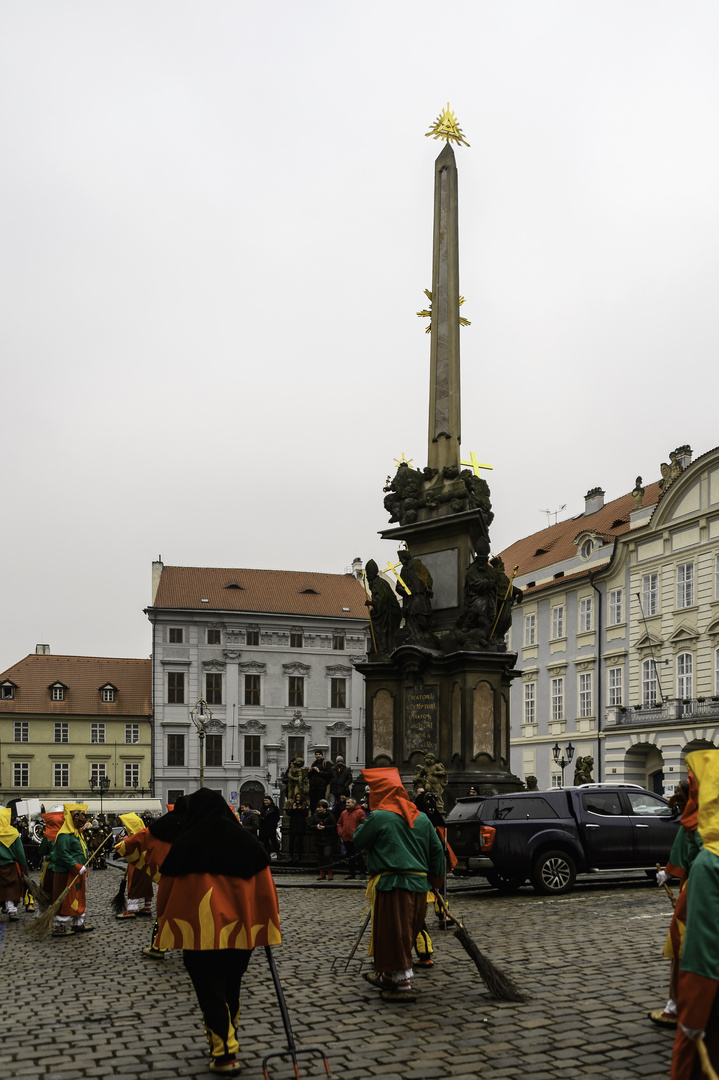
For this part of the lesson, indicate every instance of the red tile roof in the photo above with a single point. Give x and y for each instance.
(83, 676)
(290, 592)
(553, 545)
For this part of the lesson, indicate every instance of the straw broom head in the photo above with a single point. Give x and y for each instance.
(43, 925)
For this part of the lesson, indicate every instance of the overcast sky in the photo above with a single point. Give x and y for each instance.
(215, 230)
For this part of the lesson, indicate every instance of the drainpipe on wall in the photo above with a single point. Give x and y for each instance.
(600, 676)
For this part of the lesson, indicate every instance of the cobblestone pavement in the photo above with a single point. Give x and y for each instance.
(93, 1006)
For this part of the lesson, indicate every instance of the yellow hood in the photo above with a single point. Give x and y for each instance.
(8, 834)
(132, 823)
(68, 825)
(705, 766)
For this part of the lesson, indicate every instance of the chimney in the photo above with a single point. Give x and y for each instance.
(684, 455)
(357, 568)
(157, 569)
(593, 501)
(42, 650)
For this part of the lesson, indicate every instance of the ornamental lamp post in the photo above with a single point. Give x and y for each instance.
(103, 784)
(201, 717)
(559, 758)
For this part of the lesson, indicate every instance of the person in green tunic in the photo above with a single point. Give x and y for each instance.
(12, 864)
(68, 864)
(404, 859)
(698, 983)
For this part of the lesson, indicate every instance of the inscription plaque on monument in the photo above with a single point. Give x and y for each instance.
(421, 714)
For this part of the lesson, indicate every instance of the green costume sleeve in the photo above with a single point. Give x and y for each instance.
(700, 954)
(66, 853)
(14, 853)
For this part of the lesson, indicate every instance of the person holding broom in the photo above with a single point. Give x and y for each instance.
(405, 858)
(12, 864)
(67, 863)
(139, 884)
(216, 901)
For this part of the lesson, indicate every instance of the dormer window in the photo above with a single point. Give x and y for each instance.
(7, 691)
(57, 691)
(107, 692)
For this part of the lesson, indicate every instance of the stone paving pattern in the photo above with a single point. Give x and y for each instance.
(93, 1006)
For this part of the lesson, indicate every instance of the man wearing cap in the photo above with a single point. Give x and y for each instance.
(405, 859)
(318, 779)
(67, 862)
(340, 781)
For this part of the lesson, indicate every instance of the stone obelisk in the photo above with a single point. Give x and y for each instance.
(444, 393)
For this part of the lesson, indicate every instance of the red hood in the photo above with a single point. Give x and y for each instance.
(386, 792)
(691, 810)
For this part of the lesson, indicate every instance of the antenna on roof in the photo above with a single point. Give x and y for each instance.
(556, 513)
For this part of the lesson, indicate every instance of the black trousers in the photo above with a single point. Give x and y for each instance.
(216, 976)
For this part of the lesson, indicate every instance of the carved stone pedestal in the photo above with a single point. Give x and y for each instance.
(454, 705)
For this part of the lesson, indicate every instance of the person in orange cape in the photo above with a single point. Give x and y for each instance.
(216, 901)
(139, 884)
(404, 857)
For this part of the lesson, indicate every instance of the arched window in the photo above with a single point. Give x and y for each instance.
(685, 675)
(649, 684)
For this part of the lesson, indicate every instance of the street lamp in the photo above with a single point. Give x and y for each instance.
(103, 784)
(559, 758)
(201, 717)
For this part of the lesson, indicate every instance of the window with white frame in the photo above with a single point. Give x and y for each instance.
(21, 731)
(98, 772)
(530, 629)
(685, 675)
(614, 686)
(7, 691)
(132, 774)
(108, 693)
(650, 594)
(61, 774)
(530, 702)
(558, 621)
(62, 732)
(585, 694)
(97, 733)
(557, 695)
(132, 733)
(585, 614)
(616, 606)
(57, 693)
(685, 585)
(21, 774)
(649, 684)
(555, 780)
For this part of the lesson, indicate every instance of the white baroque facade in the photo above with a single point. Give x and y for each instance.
(271, 654)
(618, 634)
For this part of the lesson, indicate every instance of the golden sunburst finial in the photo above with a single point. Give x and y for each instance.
(447, 128)
(426, 313)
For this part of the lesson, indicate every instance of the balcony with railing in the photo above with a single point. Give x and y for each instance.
(670, 711)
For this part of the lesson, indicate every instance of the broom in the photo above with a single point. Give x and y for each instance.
(36, 892)
(500, 986)
(118, 900)
(42, 925)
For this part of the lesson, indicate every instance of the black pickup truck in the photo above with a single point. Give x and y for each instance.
(548, 837)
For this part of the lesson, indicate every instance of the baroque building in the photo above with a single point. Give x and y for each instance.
(69, 722)
(263, 661)
(618, 633)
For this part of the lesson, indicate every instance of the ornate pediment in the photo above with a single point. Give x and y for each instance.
(213, 665)
(338, 669)
(216, 727)
(297, 725)
(649, 641)
(296, 669)
(231, 654)
(713, 628)
(252, 727)
(684, 634)
(252, 667)
(338, 730)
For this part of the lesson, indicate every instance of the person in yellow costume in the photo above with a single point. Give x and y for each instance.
(68, 861)
(12, 864)
(139, 884)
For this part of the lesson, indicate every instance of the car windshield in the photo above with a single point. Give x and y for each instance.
(465, 809)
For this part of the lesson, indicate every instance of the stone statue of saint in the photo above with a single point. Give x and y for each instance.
(432, 776)
(417, 605)
(384, 609)
(583, 769)
(297, 780)
(531, 783)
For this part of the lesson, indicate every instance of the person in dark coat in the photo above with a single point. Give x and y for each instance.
(269, 818)
(340, 782)
(298, 815)
(318, 779)
(323, 828)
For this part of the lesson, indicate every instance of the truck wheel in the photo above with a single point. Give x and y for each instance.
(554, 872)
(506, 883)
